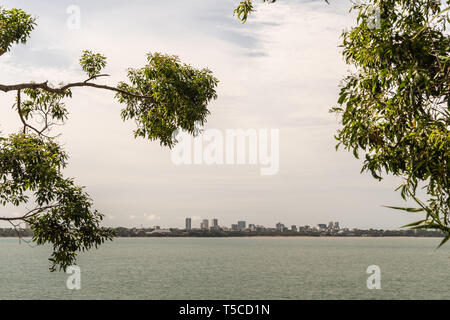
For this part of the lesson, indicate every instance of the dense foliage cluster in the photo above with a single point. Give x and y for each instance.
(15, 27)
(179, 97)
(394, 107)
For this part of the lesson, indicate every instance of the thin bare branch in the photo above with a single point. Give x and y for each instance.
(29, 214)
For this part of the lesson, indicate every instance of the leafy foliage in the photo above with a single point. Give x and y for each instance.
(92, 63)
(47, 107)
(31, 169)
(27, 162)
(163, 96)
(15, 27)
(178, 96)
(245, 7)
(70, 225)
(395, 107)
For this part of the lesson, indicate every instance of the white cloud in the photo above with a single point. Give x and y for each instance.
(152, 217)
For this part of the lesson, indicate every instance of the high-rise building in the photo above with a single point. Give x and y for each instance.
(234, 227)
(293, 227)
(214, 224)
(205, 224)
(279, 226)
(336, 226)
(188, 224)
(330, 225)
(241, 225)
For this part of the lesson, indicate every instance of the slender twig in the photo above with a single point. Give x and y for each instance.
(427, 25)
(95, 77)
(19, 110)
(29, 214)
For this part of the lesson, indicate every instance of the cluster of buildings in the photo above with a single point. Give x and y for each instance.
(241, 228)
(332, 227)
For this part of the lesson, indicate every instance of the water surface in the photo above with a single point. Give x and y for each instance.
(234, 268)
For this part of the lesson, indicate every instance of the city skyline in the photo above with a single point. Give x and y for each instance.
(134, 182)
(213, 223)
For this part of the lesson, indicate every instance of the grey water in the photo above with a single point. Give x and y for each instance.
(234, 268)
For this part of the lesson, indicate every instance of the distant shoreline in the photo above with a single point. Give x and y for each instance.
(121, 232)
(260, 237)
(287, 237)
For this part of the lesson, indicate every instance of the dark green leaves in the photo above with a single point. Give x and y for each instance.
(407, 209)
(92, 63)
(15, 27)
(175, 96)
(31, 172)
(162, 97)
(395, 107)
(245, 7)
(28, 163)
(45, 105)
(70, 226)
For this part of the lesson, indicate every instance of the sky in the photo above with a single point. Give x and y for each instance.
(279, 71)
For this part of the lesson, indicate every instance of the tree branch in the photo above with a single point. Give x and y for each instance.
(61, 90)
(29, 214)
(19, 110)
(95, 77)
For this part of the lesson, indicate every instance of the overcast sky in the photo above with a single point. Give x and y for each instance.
(281, 70)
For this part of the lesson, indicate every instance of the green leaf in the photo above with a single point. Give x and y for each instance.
(406, 209)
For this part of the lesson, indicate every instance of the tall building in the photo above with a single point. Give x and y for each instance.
(279, 226)
(336, 226)
(330, 225)
(234, 227)
(188, 224)
(293, 227)
(205, 224)
(214, 224)
(241, 225)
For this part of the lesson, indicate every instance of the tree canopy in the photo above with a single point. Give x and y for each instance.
(15, 27)
(163, 96)
(394, 106)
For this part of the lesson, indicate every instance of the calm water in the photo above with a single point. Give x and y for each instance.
(234, 268)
